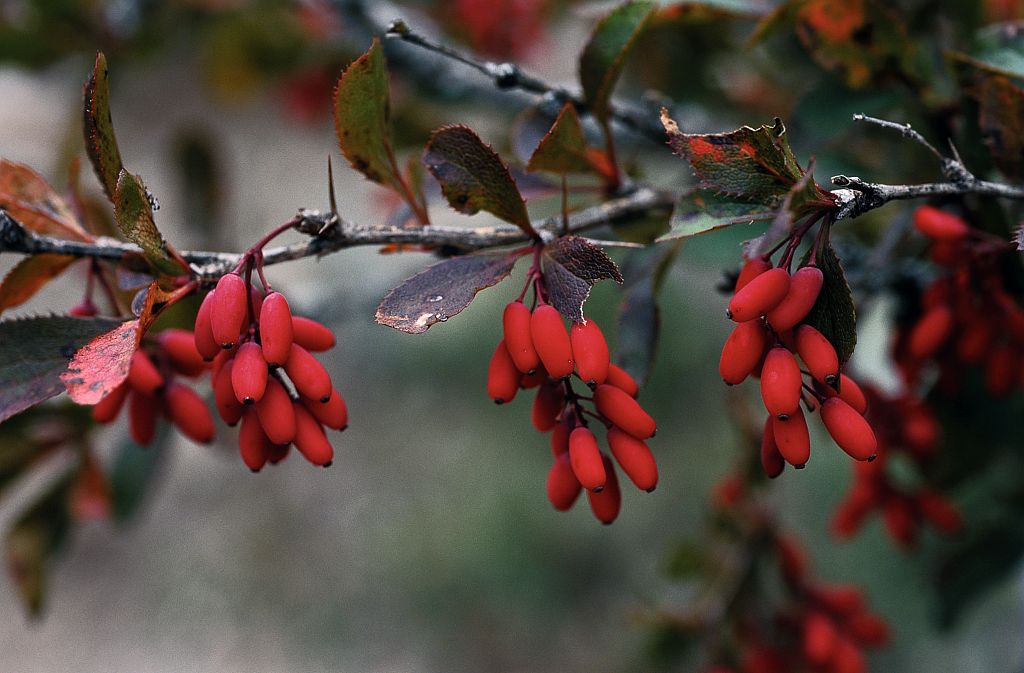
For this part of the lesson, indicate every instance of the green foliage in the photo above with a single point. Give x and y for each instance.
(604, 55)
(134, 215)
(564, 148)
(100, 143)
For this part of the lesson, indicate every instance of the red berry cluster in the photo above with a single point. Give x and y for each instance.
(905, 428)
(151, 390)
(264, 373)
(537, 351)
(769, 305)
(967, 317)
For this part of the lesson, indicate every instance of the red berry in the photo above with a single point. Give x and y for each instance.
(332, 414)
(547, 405)
(85, 309)
(975, 341)
(941, 512)
(849, 429)
(310, 439)
(844, 599)
(253, 443)
(551, 341)
(107, 409)
(742, 351)
(307, 374)
(759, 296)
(311, 335)
(276, 413)
(819, 639)
(620, 378)
(229, 309)
(851, 393)
(142, 413)
(900, 523)
(563, 488)
(868, 629)
(533, 380)
(1002, 370)
(560, 436)
(179, 346)
(189, 413)
(143, 375)
(249, 374)
(751, 270)
(518, 339)
(276, 329)
(586, 460)
(804, 288)
(771, 460)
(278, 452)
(930, 332)
(502, 376)
(228, 406)
(635, 459)
(792, 439)
(848, 658)
(780, 383)
(205, 344)
(939, 225)
(605, 504)
(622, 410)
(818, 354)
(590, 351)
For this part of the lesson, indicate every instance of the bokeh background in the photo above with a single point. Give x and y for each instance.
(429, 545)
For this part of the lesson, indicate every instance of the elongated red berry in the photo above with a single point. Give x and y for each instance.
(180, 348)
(563, 487)
(189, 413)
(276, 329)
(620, 378)
(560, 434)
(868, 629)
(818, 354)
(804, 288)
(849, 429)
(107, 409)
(276, 413)
(332, 414)
(941, 512)
(502, 376)
(939, 225)
(142, 414)
(249, 374)
(623, 411)
(772, 461)
(310, 439)
(585, 457)
(143, 375)
(635, 459)
(590, 351)
(311, 335)
(518, 339)
(229, 309)
(742, 351)
(759, 296)
(228, 406)
(605, 504)
(533, 380)
(780, 383)
(930, 332)
(253, 443)
(851, 393)
(206, 345)
(278, 452)
(974, 342)
(308, 375)
(792, 439)
(820, 638)
(751, 270)
(1002, 370)
(900, 523)
(551, 341)
(547, 405)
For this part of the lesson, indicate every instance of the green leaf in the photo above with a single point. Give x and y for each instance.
(134, 216)
(100, 143)
(605, 53)
(998, 49)
(133, 473)
(564, 148)
(639, 319)
(572, 266)
(30, 274)
(37, 535)
(442, 290)
(33, 354)
(834, 314)
(362, 118)
(474, 178)
(703, 210)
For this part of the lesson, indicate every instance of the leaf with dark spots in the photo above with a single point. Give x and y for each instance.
(834, 314)
(703, 210)
(134, 217)
(30, 274)
(564, 148)
(29, 199)
(473, 177)
(604, 55)
(33, 354)
(639, 319)
(442, 290)
(572, 266)
(100, 143)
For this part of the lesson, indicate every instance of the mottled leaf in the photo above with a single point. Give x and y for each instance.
(30, 200)
(605, 53)
(564, 148)
(134, 217)
(1001, 120)
(639, 319)
(30, 274)
(33, 354)
(133, 473)
(442, 290)
(473, 177)
(100, 143)
(572, 266)
(703, 210)
(834, 314)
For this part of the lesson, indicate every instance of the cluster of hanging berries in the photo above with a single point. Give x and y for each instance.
(151, 390)
(265, 375)
(538, 352)
(909, 433)
(967, 317)
(769, 304)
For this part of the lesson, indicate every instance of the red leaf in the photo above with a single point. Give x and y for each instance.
(31, 273)
(30, 200)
